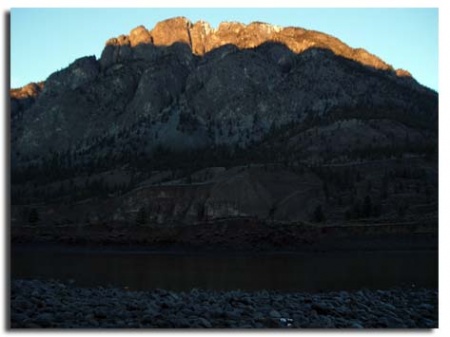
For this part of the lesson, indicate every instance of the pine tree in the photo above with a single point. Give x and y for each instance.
(141, 216)
(318, 214)
(367, 210)
(33, 216)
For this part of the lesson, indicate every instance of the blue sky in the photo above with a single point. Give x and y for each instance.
(46, 40)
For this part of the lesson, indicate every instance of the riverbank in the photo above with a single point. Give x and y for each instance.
(236, 235)
(51, 304)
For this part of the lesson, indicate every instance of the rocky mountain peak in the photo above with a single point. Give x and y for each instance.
(201, 38)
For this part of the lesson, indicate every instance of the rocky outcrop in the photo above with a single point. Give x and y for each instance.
(201, 38)
(140, 35)
(200, 32)
(23, 98)
(81, 72)
(403, 73)
(31, 90)
(167, 32)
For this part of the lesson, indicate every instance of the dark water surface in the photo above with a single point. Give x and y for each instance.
(309, 271)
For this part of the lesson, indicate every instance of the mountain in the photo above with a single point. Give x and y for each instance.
(185, 123)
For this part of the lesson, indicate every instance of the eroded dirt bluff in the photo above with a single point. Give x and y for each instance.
(264, 193)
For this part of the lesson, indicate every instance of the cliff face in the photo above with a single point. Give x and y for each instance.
(162, 105)
(201, 39)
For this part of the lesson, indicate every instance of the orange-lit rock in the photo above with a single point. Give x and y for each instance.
(139, 35)
(170, 31)
(202, 38)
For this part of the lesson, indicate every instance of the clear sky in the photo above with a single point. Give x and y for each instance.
(46, 40)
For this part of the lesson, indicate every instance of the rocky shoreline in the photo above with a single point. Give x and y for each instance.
(39, 304)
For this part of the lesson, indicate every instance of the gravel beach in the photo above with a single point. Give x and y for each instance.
(39, 304)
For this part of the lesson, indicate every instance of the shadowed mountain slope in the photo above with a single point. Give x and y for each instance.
(185, 123)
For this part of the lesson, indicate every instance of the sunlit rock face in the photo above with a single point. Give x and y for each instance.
(202, 38)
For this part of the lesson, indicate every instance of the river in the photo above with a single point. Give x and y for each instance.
(181, 271)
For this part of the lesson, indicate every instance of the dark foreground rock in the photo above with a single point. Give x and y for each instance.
(51, 304)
